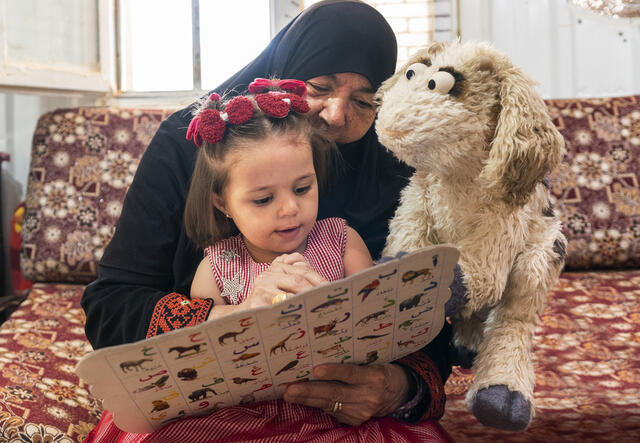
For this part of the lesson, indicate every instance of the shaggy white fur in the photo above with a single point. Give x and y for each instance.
(481, 141)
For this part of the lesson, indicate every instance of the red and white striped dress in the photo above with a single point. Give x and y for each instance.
(275, 420)
(235, 270)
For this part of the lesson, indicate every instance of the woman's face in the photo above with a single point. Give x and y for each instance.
(342, 104)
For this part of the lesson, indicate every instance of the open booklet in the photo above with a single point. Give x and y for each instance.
(375, 316)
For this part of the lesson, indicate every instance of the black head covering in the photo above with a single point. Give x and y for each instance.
(328, 38)
(332, 37)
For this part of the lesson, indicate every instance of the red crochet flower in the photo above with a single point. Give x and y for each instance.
(211, 126)
(272, 103)
(287, 84)
(239, 110)
(298, 104)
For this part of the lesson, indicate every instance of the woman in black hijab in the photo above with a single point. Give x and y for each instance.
(324, 40)
(343, 50)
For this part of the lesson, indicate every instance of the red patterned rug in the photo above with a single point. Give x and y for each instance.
(587, 362)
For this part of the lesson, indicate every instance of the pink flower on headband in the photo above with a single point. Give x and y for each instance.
(277, 104)
(210, 124)
(296, 87)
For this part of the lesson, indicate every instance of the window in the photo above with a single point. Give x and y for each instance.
(55, 45)
(161, 50)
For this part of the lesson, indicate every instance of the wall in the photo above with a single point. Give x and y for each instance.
(415, 23)
(570, 51)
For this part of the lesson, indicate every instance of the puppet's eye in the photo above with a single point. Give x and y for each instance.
(414, 69)
(441, 82)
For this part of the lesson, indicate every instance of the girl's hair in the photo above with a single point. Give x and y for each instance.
(204, 223)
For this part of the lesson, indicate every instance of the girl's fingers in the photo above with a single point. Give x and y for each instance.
(300, 269)
(293, 283)
(292, 258)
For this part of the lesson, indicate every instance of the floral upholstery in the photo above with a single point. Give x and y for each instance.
(82, 163)
(596, 186)
(587, 347)
(587, 365)
(41, 398)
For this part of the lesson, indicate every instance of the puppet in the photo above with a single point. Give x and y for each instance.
(481, 142)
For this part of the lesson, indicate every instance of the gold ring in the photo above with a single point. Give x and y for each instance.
(279, 298)
(337, 407)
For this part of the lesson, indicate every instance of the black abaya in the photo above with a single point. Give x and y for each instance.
(147, 269)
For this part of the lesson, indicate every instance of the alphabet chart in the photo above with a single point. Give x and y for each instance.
(375, 316)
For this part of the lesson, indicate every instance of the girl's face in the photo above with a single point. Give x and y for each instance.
(272, 195)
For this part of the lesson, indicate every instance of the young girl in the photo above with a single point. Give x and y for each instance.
(253, 197)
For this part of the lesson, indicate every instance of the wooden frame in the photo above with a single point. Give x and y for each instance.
(16, 75)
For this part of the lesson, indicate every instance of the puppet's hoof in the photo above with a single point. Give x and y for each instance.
(462, 356)
(498, 407)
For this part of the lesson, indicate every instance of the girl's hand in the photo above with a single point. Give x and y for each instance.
(362, 391)
(290, 273)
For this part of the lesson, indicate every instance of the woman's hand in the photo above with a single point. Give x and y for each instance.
(363, 391)
(290, 273)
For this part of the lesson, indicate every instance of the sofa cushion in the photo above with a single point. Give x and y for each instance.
(41, 397)
(596, 186)
(587, 366)
(82, 163)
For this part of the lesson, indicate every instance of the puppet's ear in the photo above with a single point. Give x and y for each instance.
(435, 48)
(526, 144)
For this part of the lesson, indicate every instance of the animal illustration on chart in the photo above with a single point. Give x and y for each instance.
(282, 344)
(159, 405)
(201, 394)
(185, 351)
(410, 276)
(328, 304)
(406, 324)
(368, 289)
(241, 380)
(374, 316)
(372, 337)
(292, 364)
(371, 357)
(187, 374)
(126, 366)
(328, 329)
(244, 357)
(324, 330)
(231, 334)
(159, 383)
(411, 302)
(332, 351)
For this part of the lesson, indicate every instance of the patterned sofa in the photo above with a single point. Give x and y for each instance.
(587, 351)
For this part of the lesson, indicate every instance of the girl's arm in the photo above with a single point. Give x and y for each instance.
(289, 273)
(204, 284)
(356, 254)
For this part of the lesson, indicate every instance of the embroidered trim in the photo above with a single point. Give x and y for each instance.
(171, 312)
(432, 406)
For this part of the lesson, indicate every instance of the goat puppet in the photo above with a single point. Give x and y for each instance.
(481, 142)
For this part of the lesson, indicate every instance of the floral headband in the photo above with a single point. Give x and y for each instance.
(210, 125)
